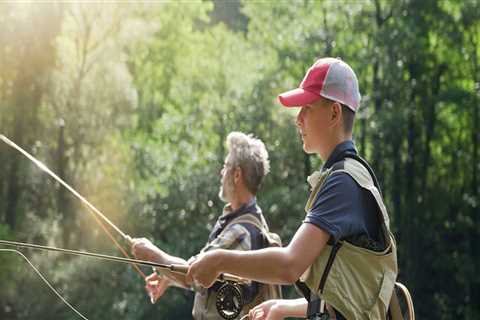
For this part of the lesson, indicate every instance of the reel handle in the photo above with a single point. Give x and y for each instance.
(232, 278)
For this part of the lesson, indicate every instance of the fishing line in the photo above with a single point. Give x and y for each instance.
(46, 282)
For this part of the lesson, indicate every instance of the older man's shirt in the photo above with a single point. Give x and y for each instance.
(237, 236)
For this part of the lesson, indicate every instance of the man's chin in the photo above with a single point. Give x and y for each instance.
(221, 196)
(307, 149)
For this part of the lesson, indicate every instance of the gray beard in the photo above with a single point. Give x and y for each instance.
(225, 189)
(221, 195)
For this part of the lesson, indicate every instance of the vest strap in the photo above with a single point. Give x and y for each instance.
(355, 156)
(303, 289)
(331, 258)
(313, 308)
(316, 306)
(317, 310)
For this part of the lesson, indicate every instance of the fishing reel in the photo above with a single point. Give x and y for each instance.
(229, 300)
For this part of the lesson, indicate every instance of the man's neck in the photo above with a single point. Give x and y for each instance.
(241, 198)
(334, 143)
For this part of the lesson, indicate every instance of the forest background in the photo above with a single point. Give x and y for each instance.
(131, 103)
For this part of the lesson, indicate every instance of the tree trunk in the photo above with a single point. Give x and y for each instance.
(376, 141)
(62, 199)
(377, 97)
(13, 192)
(473, 289)
(13, 182)
(409, 220)
(397, 181)
(431, 119)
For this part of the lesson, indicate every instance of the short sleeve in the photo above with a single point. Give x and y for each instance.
(338, 208)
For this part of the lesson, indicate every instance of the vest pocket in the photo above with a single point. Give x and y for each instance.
(387, 288)
(379, 310)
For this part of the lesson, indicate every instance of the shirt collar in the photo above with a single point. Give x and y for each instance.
(229, 214)
(339, 152)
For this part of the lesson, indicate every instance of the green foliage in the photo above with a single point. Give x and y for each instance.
(131, 104)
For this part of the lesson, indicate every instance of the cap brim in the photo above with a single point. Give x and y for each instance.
(298, 97)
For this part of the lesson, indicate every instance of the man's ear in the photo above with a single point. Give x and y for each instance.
(336, 113)
(237, 175)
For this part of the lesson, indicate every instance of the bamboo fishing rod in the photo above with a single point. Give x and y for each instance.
(99, 217)
(43, 167)
(175, 268)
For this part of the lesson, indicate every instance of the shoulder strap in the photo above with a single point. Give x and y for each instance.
(250, 218)
(272, 239)
(367, 166)
(245, 218)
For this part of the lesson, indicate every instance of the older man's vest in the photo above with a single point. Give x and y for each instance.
(205, 301)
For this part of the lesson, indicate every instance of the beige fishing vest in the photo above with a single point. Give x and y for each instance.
(361, 281)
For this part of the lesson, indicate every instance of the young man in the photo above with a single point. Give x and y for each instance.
(244, 170)
(343, 253)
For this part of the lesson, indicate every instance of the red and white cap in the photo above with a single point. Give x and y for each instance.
(330, 78)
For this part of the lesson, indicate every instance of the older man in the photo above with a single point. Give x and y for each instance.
(344, 251)
(241, 226)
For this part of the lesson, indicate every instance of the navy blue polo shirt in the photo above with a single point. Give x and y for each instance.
(342, 208)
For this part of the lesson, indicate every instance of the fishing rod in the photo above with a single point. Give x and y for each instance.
(99, 217)
(229, 300)
(175, 268)
(43, 167)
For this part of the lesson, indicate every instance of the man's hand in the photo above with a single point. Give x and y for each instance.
(156, 286)
(278, 309)
(144, 249)
(204, 269)
(268, 310)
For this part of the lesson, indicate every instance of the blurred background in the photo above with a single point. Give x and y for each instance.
(131, 102)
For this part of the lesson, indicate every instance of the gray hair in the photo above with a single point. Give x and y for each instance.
(251, 156)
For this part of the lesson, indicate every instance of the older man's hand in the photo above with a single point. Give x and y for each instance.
(204, 269)
(156, 286)
(144, 249)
